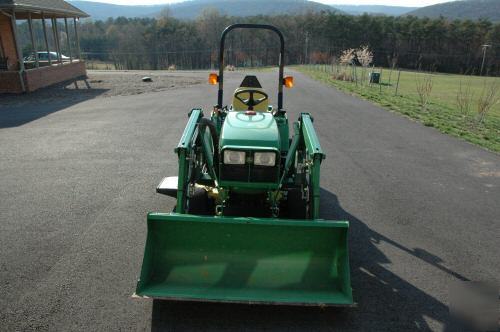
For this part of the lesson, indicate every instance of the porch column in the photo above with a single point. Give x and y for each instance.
(18, 49)
(46, 39)
(33, 41)
(67, 39)
(78, 52)
(56, 40)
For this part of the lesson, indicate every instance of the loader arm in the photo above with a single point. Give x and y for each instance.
(314, 157)
(305, 134)
(184, 151)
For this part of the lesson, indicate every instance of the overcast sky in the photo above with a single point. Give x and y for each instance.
(409, 3)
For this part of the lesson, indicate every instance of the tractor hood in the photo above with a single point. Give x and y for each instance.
(259, 130)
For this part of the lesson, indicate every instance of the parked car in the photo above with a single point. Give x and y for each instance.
(44, 56)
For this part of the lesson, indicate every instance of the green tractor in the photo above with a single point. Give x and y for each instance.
(246, 226)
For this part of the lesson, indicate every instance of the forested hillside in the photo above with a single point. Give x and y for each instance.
(406, 42)
(465, 9)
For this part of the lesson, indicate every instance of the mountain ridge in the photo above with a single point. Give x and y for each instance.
(190, 9)
(374, 9)
(463, 9)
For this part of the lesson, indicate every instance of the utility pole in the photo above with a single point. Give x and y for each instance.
(306, 55)
(485, 47)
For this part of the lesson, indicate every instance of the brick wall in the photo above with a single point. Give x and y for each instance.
(10, 82)
(41, 77)
(8, 45)
(45, 76)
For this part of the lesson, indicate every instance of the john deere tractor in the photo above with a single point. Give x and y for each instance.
(246, 226)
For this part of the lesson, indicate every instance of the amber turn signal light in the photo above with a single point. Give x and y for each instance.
(213, 79)
(288, 81)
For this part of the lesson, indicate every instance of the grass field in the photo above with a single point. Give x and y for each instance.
(442, 111)
(99, 65)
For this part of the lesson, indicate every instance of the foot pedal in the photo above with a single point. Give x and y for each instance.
(168, 186)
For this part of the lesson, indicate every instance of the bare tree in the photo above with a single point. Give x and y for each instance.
(345, 59)
(347, 56)
(488, 98)
(424, 86)
(464, 99)
(365, 58)
(393, 62)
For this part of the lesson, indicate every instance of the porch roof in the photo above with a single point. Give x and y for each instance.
(50, 8)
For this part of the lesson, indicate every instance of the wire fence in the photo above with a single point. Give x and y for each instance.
(385, 79)
(196, 59)
(384, 84)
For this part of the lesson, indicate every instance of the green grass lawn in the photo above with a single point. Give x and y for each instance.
(442, 111)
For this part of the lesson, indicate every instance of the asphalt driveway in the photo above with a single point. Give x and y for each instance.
(77, 177)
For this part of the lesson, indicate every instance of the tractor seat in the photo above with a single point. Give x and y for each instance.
(250, 84)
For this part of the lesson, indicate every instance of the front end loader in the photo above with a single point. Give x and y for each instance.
(247, 227)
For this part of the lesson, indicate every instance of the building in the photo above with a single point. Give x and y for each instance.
(46, 65)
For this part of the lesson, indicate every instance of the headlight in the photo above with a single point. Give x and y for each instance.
(234, 157)
(264, 158)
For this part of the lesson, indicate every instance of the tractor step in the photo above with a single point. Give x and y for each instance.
(246, 260)
(168, 186)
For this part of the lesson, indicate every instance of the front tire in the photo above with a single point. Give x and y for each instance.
(297, 206)
(200, 203)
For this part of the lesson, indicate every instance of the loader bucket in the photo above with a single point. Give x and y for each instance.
(248, 260)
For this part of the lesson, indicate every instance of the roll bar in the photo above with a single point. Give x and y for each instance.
(221, 58)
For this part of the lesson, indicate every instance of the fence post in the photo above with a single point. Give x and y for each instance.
(397, 84)
(355, 74)
(380, 80)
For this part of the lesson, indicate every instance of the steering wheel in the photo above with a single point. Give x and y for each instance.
(251, 102)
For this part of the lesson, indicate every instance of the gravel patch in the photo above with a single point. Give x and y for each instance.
(103, 84)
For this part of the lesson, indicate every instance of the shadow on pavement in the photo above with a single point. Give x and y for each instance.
(19, 109)
(385, 301)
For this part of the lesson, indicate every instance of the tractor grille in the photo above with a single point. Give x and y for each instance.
(234, 173)
(246, 173)
(263, 174)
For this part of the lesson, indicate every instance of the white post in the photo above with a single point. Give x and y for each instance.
(56, 40)
(77, 40)
(46, 39)
(33, 41)
(67, 39)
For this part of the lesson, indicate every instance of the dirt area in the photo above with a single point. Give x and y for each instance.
(102, 84)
